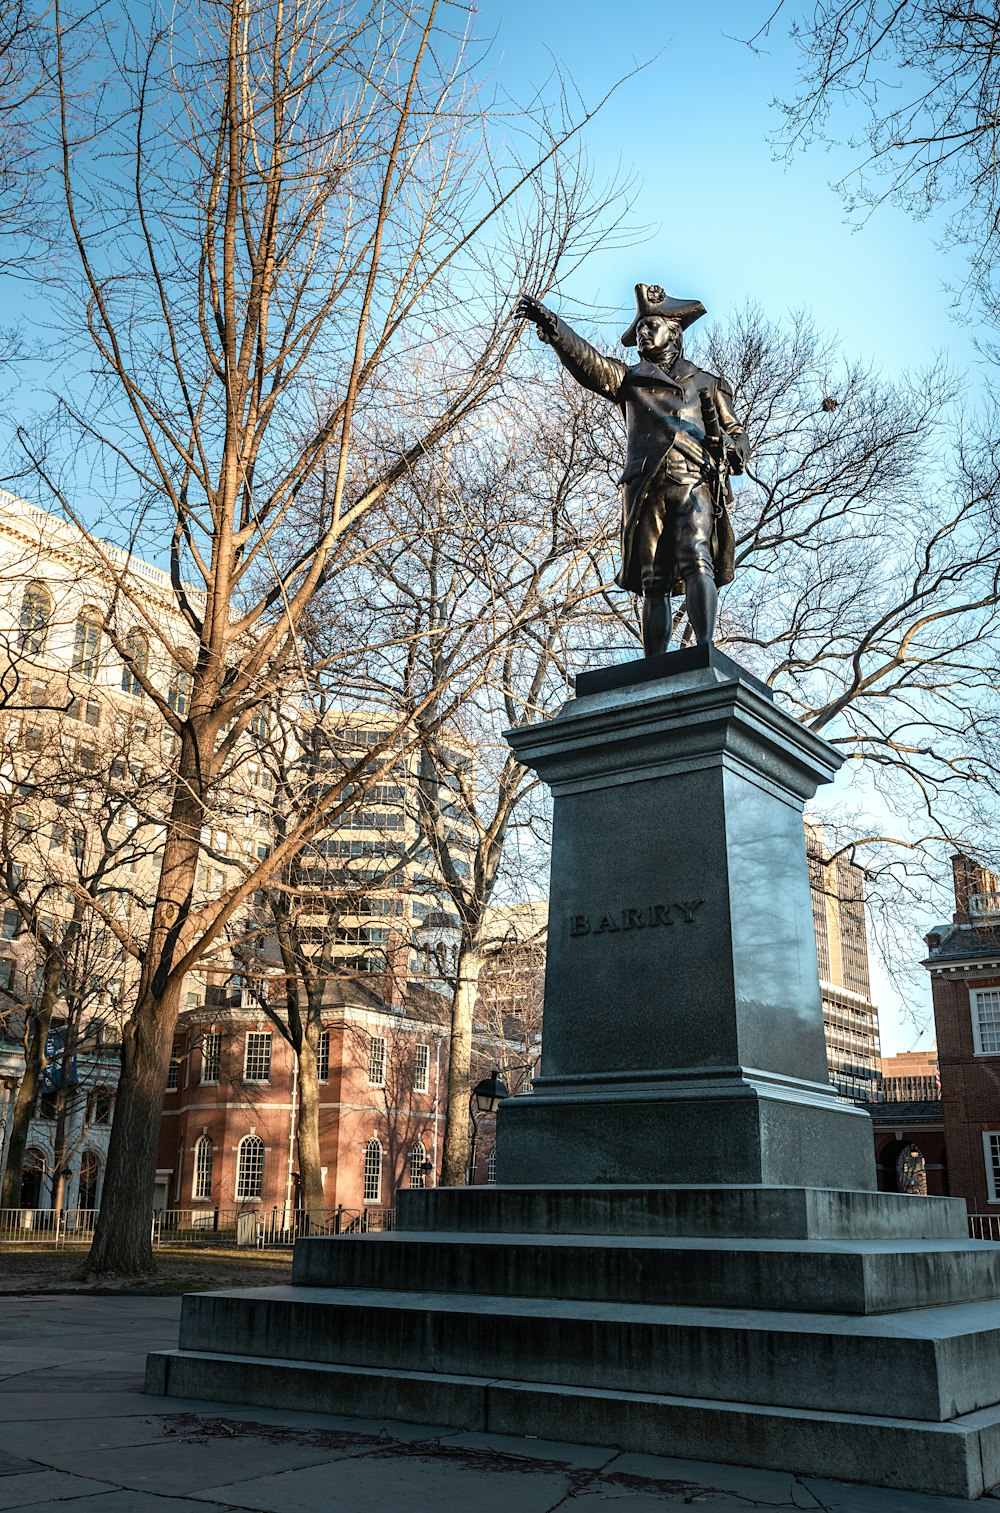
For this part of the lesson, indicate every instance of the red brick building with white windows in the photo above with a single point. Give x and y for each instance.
(227, 1136)
(964, 964)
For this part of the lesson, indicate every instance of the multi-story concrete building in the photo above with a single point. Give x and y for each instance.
(963, 959)
(68, 1135)
(850, 1018)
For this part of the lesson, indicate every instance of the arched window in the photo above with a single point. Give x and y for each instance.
(418, 1165)
(491, 1165)
(36, 613)
(250, 1167)
(32, 1173)
(203, 1169)
(87, 641)
(373, 1170)
(179, 692)
(137, 647)
(90, 1176)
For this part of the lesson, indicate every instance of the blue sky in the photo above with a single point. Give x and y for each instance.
(730, 222)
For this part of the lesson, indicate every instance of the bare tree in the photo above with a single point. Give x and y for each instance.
(925, 74)
(404, 1122)
(310, 191)
(79, 816)
(500, 584)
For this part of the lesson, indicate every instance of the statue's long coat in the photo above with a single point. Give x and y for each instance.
(665, 427)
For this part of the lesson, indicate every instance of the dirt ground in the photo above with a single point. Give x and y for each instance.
(35, 1268)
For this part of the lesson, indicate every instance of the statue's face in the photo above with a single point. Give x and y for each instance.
(657, 337)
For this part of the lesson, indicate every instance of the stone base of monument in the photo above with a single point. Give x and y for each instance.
(671, 1264)
(853, 1335)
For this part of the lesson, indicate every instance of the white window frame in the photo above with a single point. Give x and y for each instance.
(201, 1179)
(257, 1144)
(216, 1060)
(417, 1165)
(256, 1035)
(992, 1163)
(422, 1068)
(373, 1178)
(376, 1061)
(974, 996)
(323, 1057)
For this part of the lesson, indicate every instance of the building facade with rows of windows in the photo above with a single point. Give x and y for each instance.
(850, 1018)
(227, 1136)
(85, 764)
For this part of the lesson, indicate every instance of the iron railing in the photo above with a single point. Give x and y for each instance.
(47, 1226)
(264, 1226)
(58, 1227)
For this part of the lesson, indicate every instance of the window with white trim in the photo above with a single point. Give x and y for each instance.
(323, 1056)
(87, 641)
(985, 1005)
(201, 1192)
(491, 1165)
(422, 1069)
(250, 1167)
(991, 1151)
(36, 612)
(373, 1170)
(211, 1055)
(257, 1056)
(174, 1072)
(418, 1165)
(376, 1062)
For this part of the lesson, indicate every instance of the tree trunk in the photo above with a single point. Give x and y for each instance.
(38, 1026)
(456, 1130)
(123, 1237)
(307, 1131)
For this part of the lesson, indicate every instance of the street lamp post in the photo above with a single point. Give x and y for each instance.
(486, 1098)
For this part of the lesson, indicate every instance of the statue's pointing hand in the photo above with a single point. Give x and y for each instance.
(530, 308)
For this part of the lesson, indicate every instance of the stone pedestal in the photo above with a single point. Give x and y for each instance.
(685, 1255)
(683, 1036)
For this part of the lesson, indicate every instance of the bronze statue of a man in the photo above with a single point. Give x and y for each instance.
(683, 442)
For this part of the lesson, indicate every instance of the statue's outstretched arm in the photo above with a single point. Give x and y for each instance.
(588, 366)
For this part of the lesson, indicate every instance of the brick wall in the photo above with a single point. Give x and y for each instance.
(970, 1084)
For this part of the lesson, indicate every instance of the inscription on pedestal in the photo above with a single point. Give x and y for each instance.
(649, 917)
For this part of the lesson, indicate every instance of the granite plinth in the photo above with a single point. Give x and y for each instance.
(683, 1020)
(688, 1212)
(877, 1276)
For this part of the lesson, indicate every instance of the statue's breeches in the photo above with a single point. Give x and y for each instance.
(669, 538)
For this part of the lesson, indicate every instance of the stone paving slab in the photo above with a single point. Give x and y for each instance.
(29, 1488)
(77, 1433)
(385, 1481)
(121, 1502)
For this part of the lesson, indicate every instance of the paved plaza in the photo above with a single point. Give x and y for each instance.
(76, 1432)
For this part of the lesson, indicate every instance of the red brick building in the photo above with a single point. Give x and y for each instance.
(227, 1136)
(964, 964)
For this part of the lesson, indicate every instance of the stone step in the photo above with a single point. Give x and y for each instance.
(931, 1363)
(960, 1458)
(868, 1277)
(695, 1212)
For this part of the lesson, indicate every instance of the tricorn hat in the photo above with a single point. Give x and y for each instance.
(651, 300)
